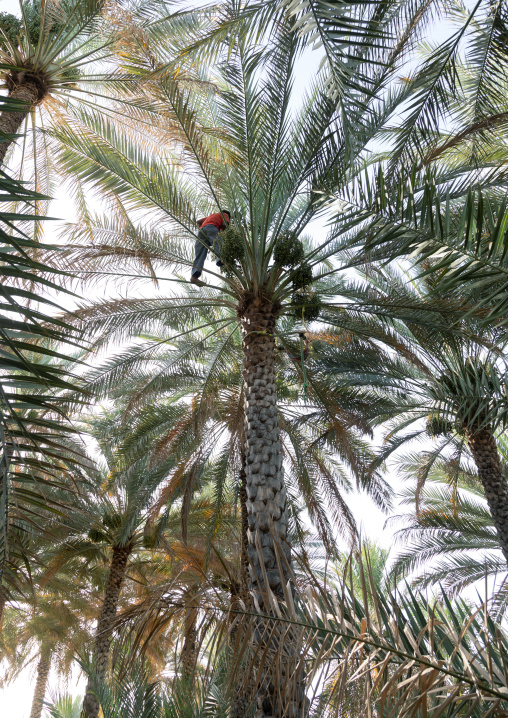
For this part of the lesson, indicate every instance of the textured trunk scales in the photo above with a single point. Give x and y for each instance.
(10, 122)
(40, 685)
(281, 693)
(105, 623)
(490, 472)
(244, 566)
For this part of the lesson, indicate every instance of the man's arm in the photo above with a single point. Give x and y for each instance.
(200, 221)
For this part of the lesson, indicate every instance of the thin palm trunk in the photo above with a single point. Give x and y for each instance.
(117, 571)
(40, 685)
(189, 653)
(490, 472)
(28, 92)
(282, 687)
(3, 602)
(242, 685)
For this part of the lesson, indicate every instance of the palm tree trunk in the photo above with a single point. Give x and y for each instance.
(282, 688)
(40, 685)
(10, 122)
(490, 472)
(243, 688)
(189, 653)
(117, 571)
(244, 564)
(3, 602)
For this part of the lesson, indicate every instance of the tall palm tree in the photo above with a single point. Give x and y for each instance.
(269, 163)
(43, 668)
(445, 381)
(255, 294)
(44, 55)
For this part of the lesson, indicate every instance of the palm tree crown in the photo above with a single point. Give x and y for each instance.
(45, 54)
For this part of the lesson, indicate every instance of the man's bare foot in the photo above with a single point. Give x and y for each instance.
(197, 281)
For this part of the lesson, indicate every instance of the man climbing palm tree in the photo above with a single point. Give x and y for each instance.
(209, 228)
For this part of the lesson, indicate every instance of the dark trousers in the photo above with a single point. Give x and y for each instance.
(208, 236)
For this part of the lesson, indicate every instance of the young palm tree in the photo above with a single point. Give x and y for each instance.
(48, 631)
(450, 542)
(65, 706)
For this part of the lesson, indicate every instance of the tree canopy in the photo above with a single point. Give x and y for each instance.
(274, 296)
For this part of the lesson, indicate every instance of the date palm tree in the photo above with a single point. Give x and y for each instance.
(439, 195)
(258, 287)
(34, 436)
(447, 382)
(109, 525)
(156, 368)
(47, 630)
(449, 543)
(246, 148)
(51, 53)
